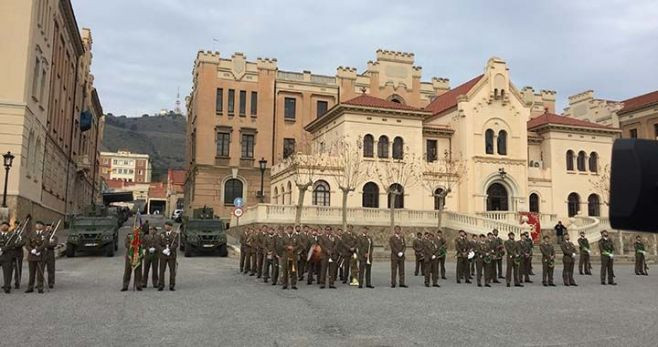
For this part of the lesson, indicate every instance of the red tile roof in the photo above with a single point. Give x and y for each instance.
(550, 118)
(448, 100)
(638, 102)
(371, 101)
(157, 190)
(176, 177)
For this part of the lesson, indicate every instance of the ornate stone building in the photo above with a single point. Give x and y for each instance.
(50, 114)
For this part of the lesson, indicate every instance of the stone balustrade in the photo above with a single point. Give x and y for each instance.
(320, 215)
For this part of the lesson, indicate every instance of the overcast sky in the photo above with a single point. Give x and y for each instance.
(144, 49)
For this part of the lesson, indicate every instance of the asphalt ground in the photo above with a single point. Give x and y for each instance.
(215, 305)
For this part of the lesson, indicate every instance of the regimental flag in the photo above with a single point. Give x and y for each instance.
(135, 249)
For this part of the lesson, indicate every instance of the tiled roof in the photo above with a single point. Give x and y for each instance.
(371, 101)
(448, 99)
(157, 190)
(176, 177)
(638, 102)
(550, 118)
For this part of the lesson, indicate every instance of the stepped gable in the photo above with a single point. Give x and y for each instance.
(448, 99)
(366, 100)
(639, 102)
(550, 118)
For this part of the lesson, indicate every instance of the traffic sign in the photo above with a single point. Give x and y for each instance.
(238, 212)
(237, 202)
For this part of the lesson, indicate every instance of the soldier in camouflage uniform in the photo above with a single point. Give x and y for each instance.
(583, 261)
(482, 251)
(607, 249)
(513, 260)
(547, 261)
(568, 261)
(640, 262)
(499, 253)
(462, 246)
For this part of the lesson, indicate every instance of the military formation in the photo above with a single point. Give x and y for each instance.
(285, 255)
(150, 250)
(39, 244)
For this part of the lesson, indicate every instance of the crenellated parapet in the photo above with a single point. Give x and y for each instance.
(395, 56)
(346, 72)
(266, 63)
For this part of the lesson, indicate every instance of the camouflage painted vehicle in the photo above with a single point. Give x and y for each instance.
(204, 232)
(95, 230)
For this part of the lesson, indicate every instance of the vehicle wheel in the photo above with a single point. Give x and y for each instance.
(110, 251)
(222, 250)
(70, 250)
(188, 250)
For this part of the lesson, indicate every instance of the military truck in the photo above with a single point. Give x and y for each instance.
(94, 230)
(204, 232)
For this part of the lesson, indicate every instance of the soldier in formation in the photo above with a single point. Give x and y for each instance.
(463, 248)
(398, 247)
(417, 245)
(547, 261)
(151, 257)
(168, 243)
(499, 253)
(6, 255)
(568, 261)
(133, 261)
(607, 249)
(513, 260)
(525, 249)
(584, 266)
(640, 262)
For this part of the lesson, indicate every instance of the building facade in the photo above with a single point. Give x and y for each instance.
(637, 117)
(51, 115)
(125, 166)
(515, 156)
(251, 110)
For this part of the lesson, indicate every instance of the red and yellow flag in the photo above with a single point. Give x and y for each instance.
(136, 249)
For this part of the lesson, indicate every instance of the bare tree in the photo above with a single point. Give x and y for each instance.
(601, 184)
(396, 176)
(349, 168)
(307, 162)
(443, 173)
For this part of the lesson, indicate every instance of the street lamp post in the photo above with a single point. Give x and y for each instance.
(8, 159)
(262, 165)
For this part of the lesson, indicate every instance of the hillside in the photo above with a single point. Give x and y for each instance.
(161, 137)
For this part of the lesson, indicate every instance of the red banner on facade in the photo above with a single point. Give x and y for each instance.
(533, 219)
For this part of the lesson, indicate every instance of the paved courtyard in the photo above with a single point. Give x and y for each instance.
(215, 305)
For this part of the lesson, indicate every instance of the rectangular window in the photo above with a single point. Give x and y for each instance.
(431, 151)
(243, 103)
(223, 143)
(633, 133)
(321, 108)
(219, 101)
(247, 146)
(288, 147)
(254, 103)
(289, 108)
(35, 78)
(231, 102)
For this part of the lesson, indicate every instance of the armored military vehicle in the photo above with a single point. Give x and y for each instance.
(204, 232)
(94, 230)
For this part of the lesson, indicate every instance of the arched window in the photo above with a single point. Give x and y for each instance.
(497, 198)
(573, 204)
(321, 194)
(396, 192)
(232, 190)
(594, 162)
(368, 146)
(581, 161)
(276, 195)
(370, 195)
(396, 99)
(534, 203)
(593, 206)
(439, 199)
(382, 147)
(570, 160)
(398, 144)
(489, 141)
(502, 142)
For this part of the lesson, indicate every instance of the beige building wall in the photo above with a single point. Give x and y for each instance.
(392, 76)
(37, 98)
(534, 163)
(585, 106)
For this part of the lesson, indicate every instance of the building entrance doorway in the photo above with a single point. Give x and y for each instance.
(497, 198)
